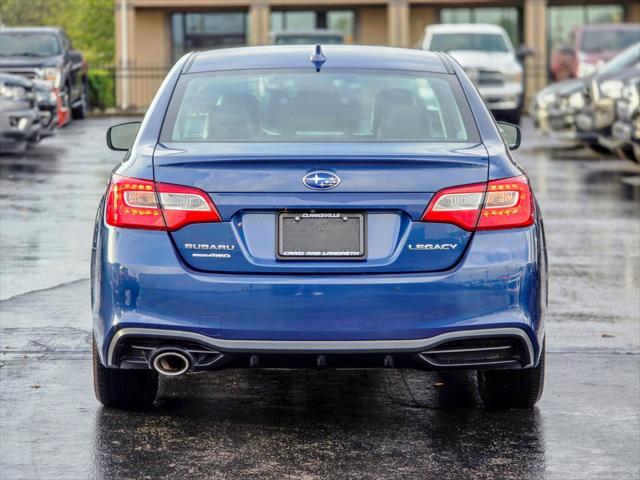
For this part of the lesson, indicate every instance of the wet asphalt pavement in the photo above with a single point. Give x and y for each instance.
(317, 424)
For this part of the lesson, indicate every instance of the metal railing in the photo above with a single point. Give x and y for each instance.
(132, 86)
(126, 87)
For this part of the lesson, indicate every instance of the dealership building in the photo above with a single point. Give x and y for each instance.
(152, 34)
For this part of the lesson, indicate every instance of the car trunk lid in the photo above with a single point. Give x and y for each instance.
(389, 184)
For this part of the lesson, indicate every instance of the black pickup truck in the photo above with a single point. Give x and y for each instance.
(46, 53)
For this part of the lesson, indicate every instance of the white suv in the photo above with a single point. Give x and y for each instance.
(487, 55)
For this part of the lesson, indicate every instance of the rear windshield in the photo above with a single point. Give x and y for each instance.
(330, 106)
(482, 42)
(595, 41)
(28, 44)
(307, 39)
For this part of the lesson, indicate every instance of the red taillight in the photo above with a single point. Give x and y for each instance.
(505, 203)
(136, 203)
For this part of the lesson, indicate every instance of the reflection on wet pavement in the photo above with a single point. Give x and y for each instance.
(317, 424)
(48, 199)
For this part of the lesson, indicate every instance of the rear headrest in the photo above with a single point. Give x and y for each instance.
(387, 98)
(250, 104)
(312, 111)
(230, 122)
(402, 96)
(404, 122)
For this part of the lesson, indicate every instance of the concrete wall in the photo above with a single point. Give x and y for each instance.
(371, 28)
(151, 55)
(420, 17)
(152, 37)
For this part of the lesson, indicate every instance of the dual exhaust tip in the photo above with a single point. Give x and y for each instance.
(170, 361)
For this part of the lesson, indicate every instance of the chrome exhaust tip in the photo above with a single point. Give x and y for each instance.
(171, 362)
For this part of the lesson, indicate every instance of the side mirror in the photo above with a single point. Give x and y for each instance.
(510, 134)
(523, 52)
(122, 136)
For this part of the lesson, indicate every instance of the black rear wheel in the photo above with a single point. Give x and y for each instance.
(126, 389)
(596, 147)
(80, 111)
(512, 388)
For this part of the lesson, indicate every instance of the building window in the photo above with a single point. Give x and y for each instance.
(506, 17)
(303, 20)
(563, 19)
(294, 20)
(343, 21)
(203, 31)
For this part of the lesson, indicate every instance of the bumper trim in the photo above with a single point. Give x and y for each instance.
(321, 346)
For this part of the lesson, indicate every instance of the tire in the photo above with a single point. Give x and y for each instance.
(596, 147)
(80, 112)
(627, 152)
(125, 389)
(512, 388)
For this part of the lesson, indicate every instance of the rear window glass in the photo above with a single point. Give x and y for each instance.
(307, 39)
(597, 41)
(330, 106)
(482, 42)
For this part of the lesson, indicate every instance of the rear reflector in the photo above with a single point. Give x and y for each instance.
(498, 204)
(137, 203)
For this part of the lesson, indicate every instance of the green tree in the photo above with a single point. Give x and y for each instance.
(89, 23)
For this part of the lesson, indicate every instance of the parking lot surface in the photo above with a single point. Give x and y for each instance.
(320, 423)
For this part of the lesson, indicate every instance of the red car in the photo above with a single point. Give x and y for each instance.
(590, 46)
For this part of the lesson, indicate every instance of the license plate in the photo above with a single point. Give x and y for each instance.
(321, 236)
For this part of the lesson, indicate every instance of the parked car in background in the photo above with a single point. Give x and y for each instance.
(589, 47)
(626, 129)
(307, 37)
(486, 54)
(19, 114)
(47, 102)
(600, 92)
(46, 53)
(553, 108)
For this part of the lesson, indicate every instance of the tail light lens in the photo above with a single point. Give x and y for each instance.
(137, 203)
(498, 204)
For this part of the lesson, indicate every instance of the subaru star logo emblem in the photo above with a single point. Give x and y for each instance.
(321, 180)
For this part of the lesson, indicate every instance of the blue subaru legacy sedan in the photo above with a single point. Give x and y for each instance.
(318, 207)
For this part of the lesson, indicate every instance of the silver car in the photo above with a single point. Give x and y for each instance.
(19, 115)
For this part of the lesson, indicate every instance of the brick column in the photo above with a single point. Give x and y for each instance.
(124, 32)
(535, 37)
(259, 21)
(398, 23)
(633, 12)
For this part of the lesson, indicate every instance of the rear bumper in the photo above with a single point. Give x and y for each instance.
(456, 349)
(315, 346)
(141, 287)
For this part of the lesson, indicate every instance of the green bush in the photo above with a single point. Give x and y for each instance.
(102, 88)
